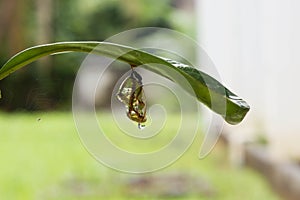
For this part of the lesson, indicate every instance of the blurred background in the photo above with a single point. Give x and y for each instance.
(32, 22)
(254, 45)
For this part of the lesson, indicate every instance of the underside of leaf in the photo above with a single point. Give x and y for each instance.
(207, 90)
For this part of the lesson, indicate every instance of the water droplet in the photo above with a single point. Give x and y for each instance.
(234, 97)
(141, 126)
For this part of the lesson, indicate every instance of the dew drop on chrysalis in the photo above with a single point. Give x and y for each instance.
(141, 126)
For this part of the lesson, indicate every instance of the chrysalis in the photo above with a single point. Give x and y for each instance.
(131, 93)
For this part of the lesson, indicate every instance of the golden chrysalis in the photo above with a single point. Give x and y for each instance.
(131, 93)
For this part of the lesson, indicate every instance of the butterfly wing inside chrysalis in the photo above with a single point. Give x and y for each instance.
(131, 93)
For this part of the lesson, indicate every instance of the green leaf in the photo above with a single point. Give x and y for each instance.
(208, 90)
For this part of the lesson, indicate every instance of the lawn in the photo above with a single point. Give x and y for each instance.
(42, 157)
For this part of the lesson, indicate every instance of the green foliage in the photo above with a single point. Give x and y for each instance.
(42, 158)
(232, 108)
(69, 20)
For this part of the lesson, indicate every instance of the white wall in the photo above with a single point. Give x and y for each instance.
(255, 45)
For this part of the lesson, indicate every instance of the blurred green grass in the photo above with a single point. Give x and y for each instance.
(42, 157)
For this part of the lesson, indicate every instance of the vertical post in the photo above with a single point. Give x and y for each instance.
(255, 46)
